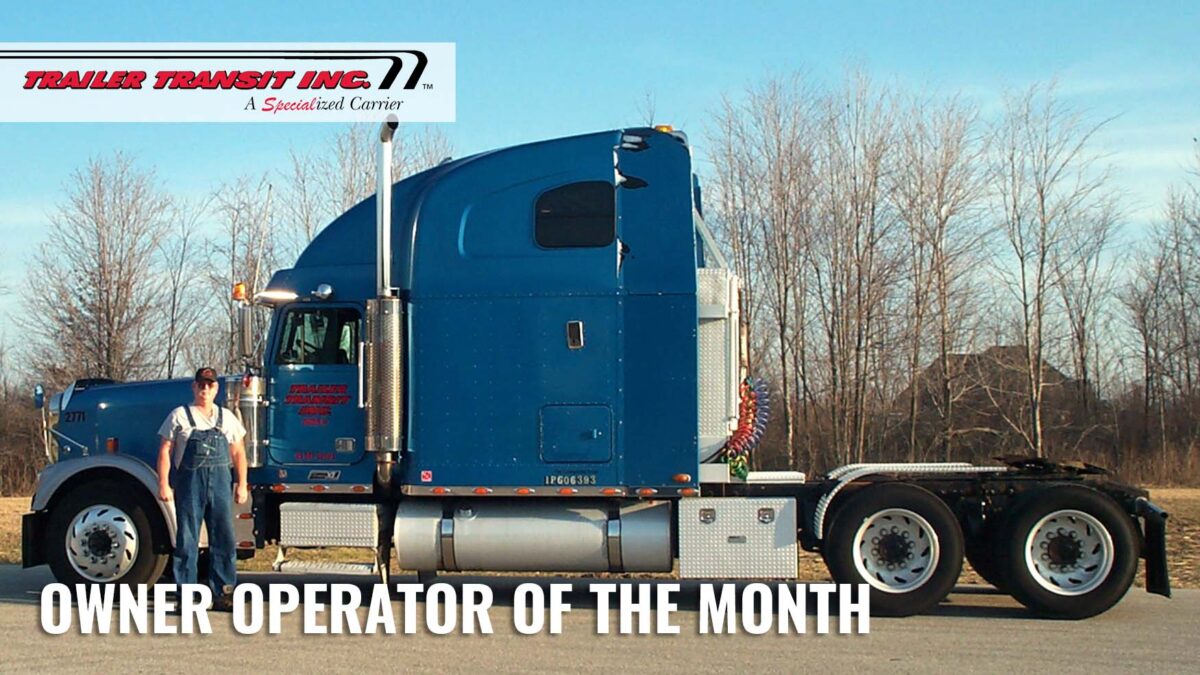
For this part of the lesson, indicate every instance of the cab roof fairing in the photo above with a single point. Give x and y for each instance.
(347, 244)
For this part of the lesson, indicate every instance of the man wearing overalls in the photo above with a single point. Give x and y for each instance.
(199, 443)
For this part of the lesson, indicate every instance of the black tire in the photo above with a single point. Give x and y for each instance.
(910, 589)
(1085, 589)
(982, 553)
(127, 517)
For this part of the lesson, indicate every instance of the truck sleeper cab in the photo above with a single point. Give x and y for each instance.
(529, 359)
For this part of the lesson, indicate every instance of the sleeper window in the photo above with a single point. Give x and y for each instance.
(576, 215)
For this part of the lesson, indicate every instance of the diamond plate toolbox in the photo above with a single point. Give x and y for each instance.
(737, 538)
(315, 524)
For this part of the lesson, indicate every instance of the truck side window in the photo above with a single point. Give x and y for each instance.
(319, 336)
(576, 215)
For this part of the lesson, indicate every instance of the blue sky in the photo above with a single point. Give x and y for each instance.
(532, 69)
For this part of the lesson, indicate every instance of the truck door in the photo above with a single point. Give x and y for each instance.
(314, 392)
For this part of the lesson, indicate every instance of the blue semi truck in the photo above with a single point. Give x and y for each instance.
(532, 359)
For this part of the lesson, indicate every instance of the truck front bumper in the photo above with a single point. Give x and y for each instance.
(1155, 546)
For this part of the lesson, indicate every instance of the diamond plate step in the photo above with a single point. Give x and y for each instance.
(316, 567)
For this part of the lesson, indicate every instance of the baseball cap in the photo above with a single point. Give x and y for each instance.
(206, 374)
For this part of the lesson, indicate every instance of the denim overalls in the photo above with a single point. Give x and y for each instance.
(202, 484)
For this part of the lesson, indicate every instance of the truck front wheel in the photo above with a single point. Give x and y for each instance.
(900, 540)
(102, 533)
(1069, 552)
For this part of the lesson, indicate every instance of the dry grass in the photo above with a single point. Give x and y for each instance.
(11, 509)
(1183, 533)
(1183, 541)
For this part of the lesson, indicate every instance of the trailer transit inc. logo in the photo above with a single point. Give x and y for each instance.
(221, 82)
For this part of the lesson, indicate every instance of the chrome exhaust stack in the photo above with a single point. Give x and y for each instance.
(383, 210)
(384, 369)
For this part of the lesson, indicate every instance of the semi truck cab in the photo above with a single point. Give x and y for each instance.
(530, 359)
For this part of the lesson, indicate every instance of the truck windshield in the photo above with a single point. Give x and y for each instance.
(319, 336)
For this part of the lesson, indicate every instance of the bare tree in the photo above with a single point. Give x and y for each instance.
(852, 267)
(937, 189)
(20, 453)
(1143, 301)
(95, 311)
(731, 213)
(766, 181)
(1047, 186)
(1084, 281)
(304, 209)
(323, 184)
(185, 300)
(347, 176)
(647, 107)
(244, 253)
(782, 140)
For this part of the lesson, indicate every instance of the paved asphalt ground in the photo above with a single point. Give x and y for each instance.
(976, 630)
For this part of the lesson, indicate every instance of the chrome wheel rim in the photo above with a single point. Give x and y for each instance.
(102, 543)
(896, 550)
(1069, 552)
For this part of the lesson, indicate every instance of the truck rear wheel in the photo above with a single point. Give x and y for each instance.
(1069, 552)
(900, 540)
(101, 533)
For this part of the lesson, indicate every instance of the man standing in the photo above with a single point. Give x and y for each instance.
(199, 443)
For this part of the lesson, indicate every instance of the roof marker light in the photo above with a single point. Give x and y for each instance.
(275, 295)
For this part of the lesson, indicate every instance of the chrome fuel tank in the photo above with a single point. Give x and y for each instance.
(523, 535)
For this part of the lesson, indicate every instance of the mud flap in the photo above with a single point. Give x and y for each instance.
(1155, 551)
(33, 525)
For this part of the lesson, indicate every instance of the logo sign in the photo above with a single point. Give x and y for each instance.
(227, 82)
(427, 476)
